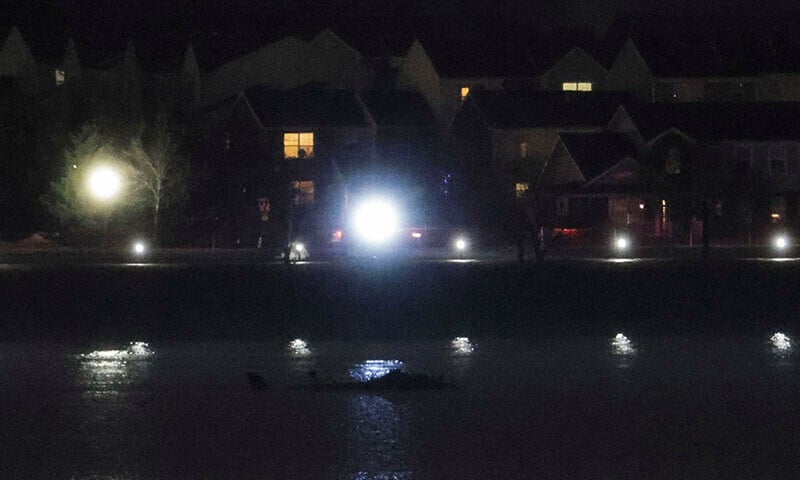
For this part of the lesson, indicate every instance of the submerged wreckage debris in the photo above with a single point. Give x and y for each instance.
(394, 380)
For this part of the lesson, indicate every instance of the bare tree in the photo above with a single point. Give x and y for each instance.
(158, 167)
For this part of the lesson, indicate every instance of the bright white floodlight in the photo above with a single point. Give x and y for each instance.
(139, 248)
(461, 244)
(375, 221)
(622, 243)
(104, 183)
(781, 242)
(299, 247)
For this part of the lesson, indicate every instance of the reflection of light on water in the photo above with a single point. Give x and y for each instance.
(462, 346)
(379, 442)
(299, 347)
(621, 345)
(104, 371)
(623, 260)
(374, 369)
(383, 476)
(781, 343)
(135, 351)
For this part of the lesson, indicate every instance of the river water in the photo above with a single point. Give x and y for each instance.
(549, 407)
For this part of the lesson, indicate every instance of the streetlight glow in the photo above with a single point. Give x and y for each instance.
(104, 183)
(376, 221)
(781, 242)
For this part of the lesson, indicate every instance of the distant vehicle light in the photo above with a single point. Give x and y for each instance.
(376, 221)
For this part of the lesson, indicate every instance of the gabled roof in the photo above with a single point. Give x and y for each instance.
(577, 57)
(523, 109)
(399, 108)
(629, 62)
(719, 121)
(306, 107)
(595, 153)
(627, 175)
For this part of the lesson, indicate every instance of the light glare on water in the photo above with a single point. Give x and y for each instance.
(299, 347)
(372, 369)
(462, 346)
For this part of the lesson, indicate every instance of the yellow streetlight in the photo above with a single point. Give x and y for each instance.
(104, 183)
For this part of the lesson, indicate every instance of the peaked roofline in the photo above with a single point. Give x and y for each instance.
(612, 167)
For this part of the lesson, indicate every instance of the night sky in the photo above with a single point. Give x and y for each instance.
(221, 29)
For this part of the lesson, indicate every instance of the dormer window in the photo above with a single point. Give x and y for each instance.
(576, 86)
(464, 93)
(59, 77)
(298, 145)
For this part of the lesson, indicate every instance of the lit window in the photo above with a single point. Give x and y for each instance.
(521, 190)
(523, 150)
(464, 92)
(584, 86)
(59, 74)
(303, 192)
(569, 86)
(298, 145)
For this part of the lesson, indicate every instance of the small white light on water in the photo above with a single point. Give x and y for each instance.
(781, 341)
(621, 345)
(135, 350)
(299, 347)
(462, 346)
(372, 369)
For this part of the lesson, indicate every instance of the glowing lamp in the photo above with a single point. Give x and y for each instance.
(375, 221)
(104, 183)
(461, 244)
(139, 248)
(622, 243)
(781, 242)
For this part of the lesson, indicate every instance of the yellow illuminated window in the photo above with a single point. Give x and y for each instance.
(298, 145)
(584, 86)
(464, 92)
(569, 87)
(521, 190)
(303, 192)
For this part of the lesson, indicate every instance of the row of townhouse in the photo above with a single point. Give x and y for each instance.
(607, 162)
(302, 120)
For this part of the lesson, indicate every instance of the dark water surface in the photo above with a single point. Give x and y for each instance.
(540, 389)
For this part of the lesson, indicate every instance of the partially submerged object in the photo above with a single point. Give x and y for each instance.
(394, 380)
(257, 382)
